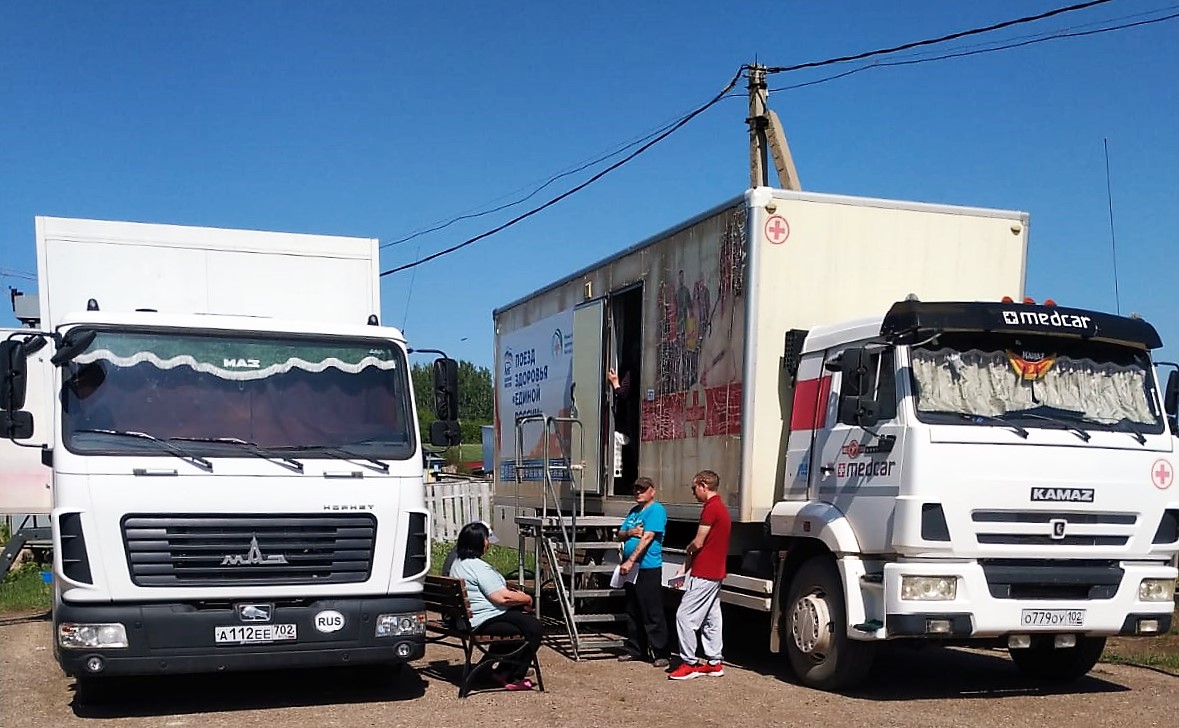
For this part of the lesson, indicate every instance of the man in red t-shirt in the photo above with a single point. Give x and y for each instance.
(700, 607)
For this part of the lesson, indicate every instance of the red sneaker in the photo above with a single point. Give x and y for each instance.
(711, 670)
(685, 672)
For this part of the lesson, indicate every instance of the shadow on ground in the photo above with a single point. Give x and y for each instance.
(187, 694)
(909, 671)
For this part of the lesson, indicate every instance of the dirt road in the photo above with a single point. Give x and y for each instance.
(930, 687)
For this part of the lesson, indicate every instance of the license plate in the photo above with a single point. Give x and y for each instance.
(250, 633)
(1053, 617)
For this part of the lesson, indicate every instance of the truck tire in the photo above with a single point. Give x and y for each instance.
(1042, 661)
(814, 630)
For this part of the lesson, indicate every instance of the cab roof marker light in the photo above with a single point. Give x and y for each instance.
(1029, 299)
(1007, 299)
(1049, 302)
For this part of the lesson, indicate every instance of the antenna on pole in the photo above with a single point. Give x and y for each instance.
(1113, 241)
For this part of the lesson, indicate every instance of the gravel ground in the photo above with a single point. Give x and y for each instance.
(928, 687)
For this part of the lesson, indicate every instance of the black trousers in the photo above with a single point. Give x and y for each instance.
(513, 622)
(646, 622)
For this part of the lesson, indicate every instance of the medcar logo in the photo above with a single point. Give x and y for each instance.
(1069, 495)
(253, 557)
(1041, 318)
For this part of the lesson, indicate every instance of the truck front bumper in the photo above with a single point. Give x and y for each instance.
(985, 607)
(194, 637)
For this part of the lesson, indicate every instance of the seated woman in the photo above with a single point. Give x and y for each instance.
(496, 609)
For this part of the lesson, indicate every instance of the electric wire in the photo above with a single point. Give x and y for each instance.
(941, 39)
(965, 53)
(580, 167)
(519, 218)
(657, 136)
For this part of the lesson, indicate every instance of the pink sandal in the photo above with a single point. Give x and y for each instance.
(524, 684)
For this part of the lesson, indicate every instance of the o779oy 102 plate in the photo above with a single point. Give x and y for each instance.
(241, 634)
(1053, 618)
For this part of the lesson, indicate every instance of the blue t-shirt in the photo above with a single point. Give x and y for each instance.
(653, 518)
(481, 579)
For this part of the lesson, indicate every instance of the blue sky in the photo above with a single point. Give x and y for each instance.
(379, 119)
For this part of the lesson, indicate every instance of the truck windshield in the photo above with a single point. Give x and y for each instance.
(208, 392)
(1037, 381)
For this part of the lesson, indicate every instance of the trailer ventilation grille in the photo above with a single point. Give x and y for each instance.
(249, 550)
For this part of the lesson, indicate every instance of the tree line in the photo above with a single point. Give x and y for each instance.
(476, 399)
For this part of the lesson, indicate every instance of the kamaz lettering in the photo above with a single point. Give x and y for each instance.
(1067, 495)
(241, 363)
(1041, 318)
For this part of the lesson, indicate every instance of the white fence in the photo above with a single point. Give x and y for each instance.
(456, 503)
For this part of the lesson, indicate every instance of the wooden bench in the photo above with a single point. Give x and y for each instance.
(447, 596)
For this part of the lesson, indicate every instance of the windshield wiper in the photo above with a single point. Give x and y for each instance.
(978, 417)
(1062, 421)
(251, 447)
(1120, 426)
(339, 453)
(170, 447)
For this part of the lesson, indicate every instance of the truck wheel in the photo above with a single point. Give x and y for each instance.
(814, 626)
(1042, 661)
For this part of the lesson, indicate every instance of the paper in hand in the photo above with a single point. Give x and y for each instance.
(617, 579)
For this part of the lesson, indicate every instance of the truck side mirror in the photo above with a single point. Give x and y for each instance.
(445, 431)
(14, 375)
(1171, 394)
(857, 404)
(75, 342)
(16, 425)
(446, 399)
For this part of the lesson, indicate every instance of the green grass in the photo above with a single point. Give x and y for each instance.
(503, 558)
(1159, 661)
(24, 591)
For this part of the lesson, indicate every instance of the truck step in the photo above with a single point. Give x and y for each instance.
(580, 593)
(598, 618)
(559, 545)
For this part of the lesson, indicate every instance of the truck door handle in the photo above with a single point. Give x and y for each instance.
(827, 469)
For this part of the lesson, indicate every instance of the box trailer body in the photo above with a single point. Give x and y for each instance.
(233, 451)
(711, 301)
(907, 447)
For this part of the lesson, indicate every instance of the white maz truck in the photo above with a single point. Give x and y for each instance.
(908, 448)
(232, 449)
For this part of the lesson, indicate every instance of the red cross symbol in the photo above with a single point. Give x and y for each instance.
(1161, 474)
(777, 229)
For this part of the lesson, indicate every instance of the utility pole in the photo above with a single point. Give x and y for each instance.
(766, 135)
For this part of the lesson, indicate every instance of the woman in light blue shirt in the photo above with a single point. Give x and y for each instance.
(496, 609)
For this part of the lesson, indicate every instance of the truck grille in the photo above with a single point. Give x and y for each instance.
(1052, 528)
(249, 550)
(1052, 578)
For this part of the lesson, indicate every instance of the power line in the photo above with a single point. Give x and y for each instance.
(614, 151)
(942, 39)
(1063, 35)
(675, 127)
(12, 273)
(672, 128)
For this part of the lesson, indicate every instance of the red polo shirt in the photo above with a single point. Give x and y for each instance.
(709, 562)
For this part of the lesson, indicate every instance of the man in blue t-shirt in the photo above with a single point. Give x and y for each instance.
(641, 534)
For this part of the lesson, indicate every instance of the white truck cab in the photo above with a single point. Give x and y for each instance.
(976, 471)
(233, 448)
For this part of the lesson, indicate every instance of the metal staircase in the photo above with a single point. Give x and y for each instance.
(574, 553)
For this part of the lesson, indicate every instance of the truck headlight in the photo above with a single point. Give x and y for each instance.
(929, 588)
(91, 636)
(1156, 590)
(400, 625)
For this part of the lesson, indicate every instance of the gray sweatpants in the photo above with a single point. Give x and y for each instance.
(700, 608)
